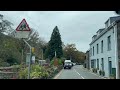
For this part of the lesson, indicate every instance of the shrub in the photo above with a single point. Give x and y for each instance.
(52, 62)
(23, 73)
(36, 72)
(103, 73)
(36, 75)
(93, 70)
(59, 61)
(112, 76)
(100, 72)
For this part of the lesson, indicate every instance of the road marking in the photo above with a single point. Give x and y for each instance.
(56, 77)
(79, 74)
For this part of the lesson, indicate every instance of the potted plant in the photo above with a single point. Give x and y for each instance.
(112, 76)
(100, 72)
(103, 73)
(95, 70)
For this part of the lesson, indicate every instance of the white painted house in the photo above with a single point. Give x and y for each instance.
(105, 48)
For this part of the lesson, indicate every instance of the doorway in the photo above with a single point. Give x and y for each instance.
(110, 65)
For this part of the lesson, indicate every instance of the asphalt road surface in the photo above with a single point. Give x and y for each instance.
(77, 72)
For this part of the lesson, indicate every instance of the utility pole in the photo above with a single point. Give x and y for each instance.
(29, 59)
(42, 54)
(22, 57)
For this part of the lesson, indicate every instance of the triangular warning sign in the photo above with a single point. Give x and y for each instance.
(23, 26)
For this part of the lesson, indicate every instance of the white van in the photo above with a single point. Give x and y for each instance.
(67, 64)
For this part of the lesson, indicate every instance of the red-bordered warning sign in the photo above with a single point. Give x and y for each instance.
(23, 26)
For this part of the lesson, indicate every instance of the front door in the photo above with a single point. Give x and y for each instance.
(110, 67)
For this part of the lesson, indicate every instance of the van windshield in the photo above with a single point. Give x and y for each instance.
(67, 62)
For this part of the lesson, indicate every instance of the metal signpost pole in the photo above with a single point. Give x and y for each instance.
(42, 54)
(29, 59)
(22, 57)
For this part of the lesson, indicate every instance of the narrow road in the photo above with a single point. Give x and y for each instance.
(77, 72)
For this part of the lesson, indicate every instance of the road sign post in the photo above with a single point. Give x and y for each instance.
(29, 59)
(22, 32)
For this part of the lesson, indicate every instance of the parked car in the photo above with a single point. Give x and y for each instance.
(67, 64)
(78, 63)
(74, 64)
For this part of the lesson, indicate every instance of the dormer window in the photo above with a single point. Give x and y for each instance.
(107, 24)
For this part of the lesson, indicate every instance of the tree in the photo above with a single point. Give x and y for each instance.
(71, 52)
(10, 50)
(38, 43)
(54, 45)
(5, 25)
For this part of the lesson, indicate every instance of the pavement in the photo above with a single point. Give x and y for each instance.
(77, 72)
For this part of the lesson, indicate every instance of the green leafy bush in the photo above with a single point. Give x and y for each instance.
(36, 72)
(60, 62)
(23, 73)
(52, 62)
(36, 75)
(101, 72)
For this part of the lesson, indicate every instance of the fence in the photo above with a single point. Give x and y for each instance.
(8, 72)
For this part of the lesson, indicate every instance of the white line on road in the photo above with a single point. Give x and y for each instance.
(56, 77)
(79, 74)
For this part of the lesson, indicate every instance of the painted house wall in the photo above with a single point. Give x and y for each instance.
(105, 53)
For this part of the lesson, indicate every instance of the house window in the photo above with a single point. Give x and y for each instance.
(98, 64)
(102, 46)
(97, 48)
(93, 51)
(109, 43)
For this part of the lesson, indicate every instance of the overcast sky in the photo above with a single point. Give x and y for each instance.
(76, 27)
